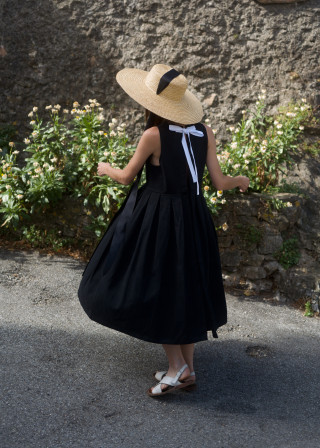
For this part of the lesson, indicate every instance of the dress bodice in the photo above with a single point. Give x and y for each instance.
(174, 175)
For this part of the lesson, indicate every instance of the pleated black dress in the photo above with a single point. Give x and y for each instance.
(164, 283)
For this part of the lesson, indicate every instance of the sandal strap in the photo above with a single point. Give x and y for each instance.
(157, 389)
(174, 381)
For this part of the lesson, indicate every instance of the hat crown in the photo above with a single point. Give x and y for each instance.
(175, 89)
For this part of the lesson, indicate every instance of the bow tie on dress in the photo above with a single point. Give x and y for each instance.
(192, 163)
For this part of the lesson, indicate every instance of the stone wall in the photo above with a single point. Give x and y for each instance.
(58, 51)
(256, 232)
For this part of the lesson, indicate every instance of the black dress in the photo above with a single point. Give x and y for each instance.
(164, 284)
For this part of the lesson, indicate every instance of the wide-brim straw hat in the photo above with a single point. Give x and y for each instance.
(175, 102)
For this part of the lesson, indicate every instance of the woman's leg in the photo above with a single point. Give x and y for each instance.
(176, 361)
(187, 351)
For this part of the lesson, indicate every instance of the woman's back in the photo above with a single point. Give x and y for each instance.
(173, 174)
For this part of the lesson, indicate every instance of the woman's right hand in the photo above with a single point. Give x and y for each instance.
(243, 183)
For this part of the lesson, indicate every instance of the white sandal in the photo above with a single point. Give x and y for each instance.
(173, 383)
(191, 386)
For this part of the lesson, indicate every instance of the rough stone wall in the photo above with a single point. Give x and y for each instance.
(58, 51)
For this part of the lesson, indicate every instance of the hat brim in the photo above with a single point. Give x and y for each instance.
(188, 110)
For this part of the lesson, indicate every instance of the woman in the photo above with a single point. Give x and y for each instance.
(156, 273)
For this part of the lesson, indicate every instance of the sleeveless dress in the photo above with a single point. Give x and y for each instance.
(164, 284)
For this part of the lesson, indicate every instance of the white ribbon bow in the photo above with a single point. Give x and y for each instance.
(192, 164)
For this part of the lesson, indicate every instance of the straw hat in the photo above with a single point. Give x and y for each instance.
(173, 100)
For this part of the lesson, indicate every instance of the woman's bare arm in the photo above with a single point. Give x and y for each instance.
(219, 180)
(148, 144)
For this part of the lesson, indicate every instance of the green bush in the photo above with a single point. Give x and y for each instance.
(289, 254)
(261, 146)
(64, 151)
(65, 147)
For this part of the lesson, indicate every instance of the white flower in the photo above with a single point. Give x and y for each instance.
(236, 166)
(46, 165)
(11, 144)
(214, 131)
(100, 117)
(35, 109)
(34, 134)
(207, 120)
(112, 134)
(100, 132)
(28, 182)
(223, 201)
(100, 109)
(54, 159)
(302, 108)
(253, 137)
(54, 111)
(50, 168)
(256, 140)
(65, 111)
(106, 153)
(19, 196)
(237, 130)
(225, 226)
(35, 175)
(35, 164)
(276, 122)
(257, 102)
(264, 142)
(48, 107)
(15, 152)
(246, 162)
(243, 111)
(114, 121)
(301, 128)
(27, 141)
(213, 200)
(57, 106)
(111, 125)
(263, 149)
(279, 132)
(279, 126)
(4, 176)
(8, 187)
(234, 145)
(219, 193)
(231, 128)
(30, 114)
(32, 122)
(38, 170)
(303, 100)
(263, 91)
(289, 204)
(76, 104)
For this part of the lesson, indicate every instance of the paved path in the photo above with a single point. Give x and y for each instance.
(68, 382)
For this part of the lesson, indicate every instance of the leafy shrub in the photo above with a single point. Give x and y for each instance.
(288, 255)
(65, 147)
(260, 146)
(64, 152)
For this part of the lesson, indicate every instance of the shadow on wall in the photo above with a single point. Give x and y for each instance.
(51, 60)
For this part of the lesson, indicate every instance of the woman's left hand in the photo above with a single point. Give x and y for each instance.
(102, 168)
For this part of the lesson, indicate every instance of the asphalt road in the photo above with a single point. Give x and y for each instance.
(68, 382)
